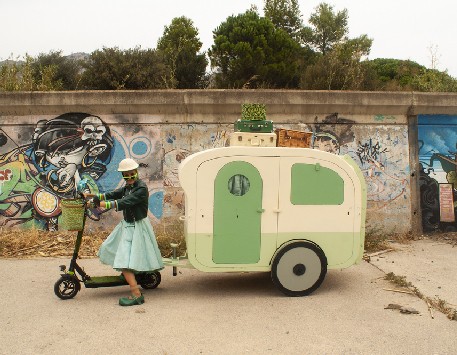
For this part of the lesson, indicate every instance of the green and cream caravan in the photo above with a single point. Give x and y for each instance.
(293, 212)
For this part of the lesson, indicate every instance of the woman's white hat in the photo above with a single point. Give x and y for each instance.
(127, 165)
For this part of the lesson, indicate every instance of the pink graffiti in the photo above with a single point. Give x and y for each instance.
(5, 175)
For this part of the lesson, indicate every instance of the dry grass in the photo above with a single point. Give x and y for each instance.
(170, 231)
(34, 243)
(436, 303)
(448, 237)
(397, 280)
(376, 240)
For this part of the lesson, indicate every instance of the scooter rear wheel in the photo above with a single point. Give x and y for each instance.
(150, 280)
(67, 287)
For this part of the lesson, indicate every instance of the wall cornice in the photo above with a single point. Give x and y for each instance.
(224, 106)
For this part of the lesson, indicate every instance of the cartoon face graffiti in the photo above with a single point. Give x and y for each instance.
(63, 150)
(327, 142)
(93, 129)
(68, 144)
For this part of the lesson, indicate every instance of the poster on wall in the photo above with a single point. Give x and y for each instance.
(437, 144)
(446, 203)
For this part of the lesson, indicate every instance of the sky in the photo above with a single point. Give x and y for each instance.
(418, 30)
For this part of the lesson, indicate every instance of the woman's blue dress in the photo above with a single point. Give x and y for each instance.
(132, 246)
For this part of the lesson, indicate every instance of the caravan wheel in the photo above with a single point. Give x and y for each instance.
(299, 268)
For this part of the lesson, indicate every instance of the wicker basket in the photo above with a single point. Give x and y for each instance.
(72, 218)
(291, 138)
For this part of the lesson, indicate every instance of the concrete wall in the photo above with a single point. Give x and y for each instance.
(49, 140)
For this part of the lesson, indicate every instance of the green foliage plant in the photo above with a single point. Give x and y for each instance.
(180, 48)
(65, 71)
(250, 49)
(286, 15)
(132, 69)
(23, 75)
(327, 27)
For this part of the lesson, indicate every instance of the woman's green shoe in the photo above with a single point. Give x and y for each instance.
(131, 301)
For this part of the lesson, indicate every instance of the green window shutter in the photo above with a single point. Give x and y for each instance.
(313, 184)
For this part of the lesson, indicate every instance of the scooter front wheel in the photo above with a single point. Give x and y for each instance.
(67, 287)
(150, 280)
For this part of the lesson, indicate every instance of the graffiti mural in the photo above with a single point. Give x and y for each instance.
(62, 151)
(370, 152)
(332, 133)
(382, 154)
(179, 141)
(382, 160)
(58, 152)
(437, 145)
(42, 161)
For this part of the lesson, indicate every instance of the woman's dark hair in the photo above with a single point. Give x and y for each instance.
(64, 133)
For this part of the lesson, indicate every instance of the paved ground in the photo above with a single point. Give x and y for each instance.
(200, 313)
(429, 265)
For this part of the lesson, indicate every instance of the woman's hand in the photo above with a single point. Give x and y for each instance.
(92, 201)
(96, 201)
(89, 203)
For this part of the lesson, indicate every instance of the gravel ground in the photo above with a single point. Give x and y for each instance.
(201, 313)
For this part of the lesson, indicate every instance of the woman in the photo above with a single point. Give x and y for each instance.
(131, 247)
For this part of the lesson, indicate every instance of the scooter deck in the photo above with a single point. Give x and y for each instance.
(105, 281)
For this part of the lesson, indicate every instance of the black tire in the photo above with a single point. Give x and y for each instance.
(430, 220)
(150, 280)
(429, 193)
(67, 287)
(299, 268)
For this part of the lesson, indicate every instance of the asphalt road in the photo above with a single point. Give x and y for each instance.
(201, 313)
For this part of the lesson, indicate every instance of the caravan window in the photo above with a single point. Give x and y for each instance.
(313, 184)
(238, 185)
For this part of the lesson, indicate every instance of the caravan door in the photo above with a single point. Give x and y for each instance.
(234, 221)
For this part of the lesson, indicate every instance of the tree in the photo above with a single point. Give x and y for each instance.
(19, 75)
(433, 80)
(250, 50)
(285, 14)
(393, 74)
(132, 69)
(180, 46)
(67, 70)
(328, 28)
(340, 65)
(341, 68)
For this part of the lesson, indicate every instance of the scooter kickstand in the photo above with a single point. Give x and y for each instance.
(173, 247)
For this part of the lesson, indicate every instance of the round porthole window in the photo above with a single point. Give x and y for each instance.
(238, 185)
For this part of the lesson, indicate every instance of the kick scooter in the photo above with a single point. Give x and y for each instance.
(69, 283)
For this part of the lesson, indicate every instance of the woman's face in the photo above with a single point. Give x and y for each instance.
(130, 176)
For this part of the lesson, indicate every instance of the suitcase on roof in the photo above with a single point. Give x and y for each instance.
(256, 126)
